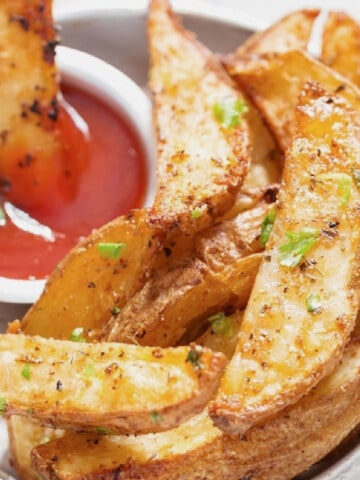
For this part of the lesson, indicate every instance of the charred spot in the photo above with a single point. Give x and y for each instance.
(5, 185)
(91, 285)
(54, 110)
(334, 224)
(54, 458)
(3, 136)
(49, 51)
(27, 160)
(271, 193)
(59, 386)
(340, 88)
(117, 472)
(35, 107)
(330, 100)
(167, 251)
(21, 20)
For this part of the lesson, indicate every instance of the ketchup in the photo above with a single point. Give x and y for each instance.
(108, 178)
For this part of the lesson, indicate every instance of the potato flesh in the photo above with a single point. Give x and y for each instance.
(201, 164)
(116, 387)
(284, 446)
(291, 32)
(274, 83)
(341, 45)
(284, 349)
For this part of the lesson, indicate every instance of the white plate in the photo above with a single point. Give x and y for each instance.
(115, 31)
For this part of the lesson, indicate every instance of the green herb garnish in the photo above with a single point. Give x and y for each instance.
(221, 324)
(196, 213)
(103, 431)
(77, 335)
(343, 181)
(26, 372)
(2, 405)
(194, 357)
(267, 226)
(30, 411)
(115, 310)
(155, 417)
(292, 252)
(228, 112)
(89, 370)
(111, 249)
(313, 304)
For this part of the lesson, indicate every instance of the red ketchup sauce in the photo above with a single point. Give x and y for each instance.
(111, 181)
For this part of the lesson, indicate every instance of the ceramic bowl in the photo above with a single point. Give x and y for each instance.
(102, 80)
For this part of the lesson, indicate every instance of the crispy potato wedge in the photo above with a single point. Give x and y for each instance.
(279, 449)
(291, 32)
(274, 83)
(220, 272)
(24, 435)
(31, 108)
(341, 45)
(86, 286)
(105, 386)
(304, 303)
(203, 143)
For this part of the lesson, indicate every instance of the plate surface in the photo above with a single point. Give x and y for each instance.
(114, 30)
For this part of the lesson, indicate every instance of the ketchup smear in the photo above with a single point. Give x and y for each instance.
(112, 182)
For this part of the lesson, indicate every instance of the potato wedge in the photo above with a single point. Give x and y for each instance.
(103, 386)
(279, 449)
(87, 286)
(203, 143)
(274, 83)
(291, 32)
(31, 108)
(341, 45)
(218, 274)
(304, 303)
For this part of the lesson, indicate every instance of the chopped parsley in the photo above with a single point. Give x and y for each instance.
(30, 411)
(115, 310)
(77, 335)
(89, 370)
(196, 213)
(103, 431)
(267, 226)
(194, 357)
(299, 243)
(343, 181)
(111, 249)
(26, 372)
(155, 417)
(2, 405)
(228, 112)
(221, 324)
(313, 304)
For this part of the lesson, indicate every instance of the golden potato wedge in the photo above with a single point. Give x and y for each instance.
(24, 435)
(341, 45)
(274, 83)
(304, 302)
(203, 141)
(91, 283)
(279, 449)
(218, 274)
(31, 109)
(106, 387)
(291, 32)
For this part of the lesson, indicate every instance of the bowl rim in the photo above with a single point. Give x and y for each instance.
(115, 88)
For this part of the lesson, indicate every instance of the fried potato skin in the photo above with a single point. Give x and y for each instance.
(219, 273)
(274, 82)
(201, 163)
(279, 449)
(341, 45)
(285, 347)
(291, 32)
(85, 287)
(115, 387)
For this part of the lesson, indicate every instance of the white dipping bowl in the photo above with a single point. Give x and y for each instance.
(124, 96)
